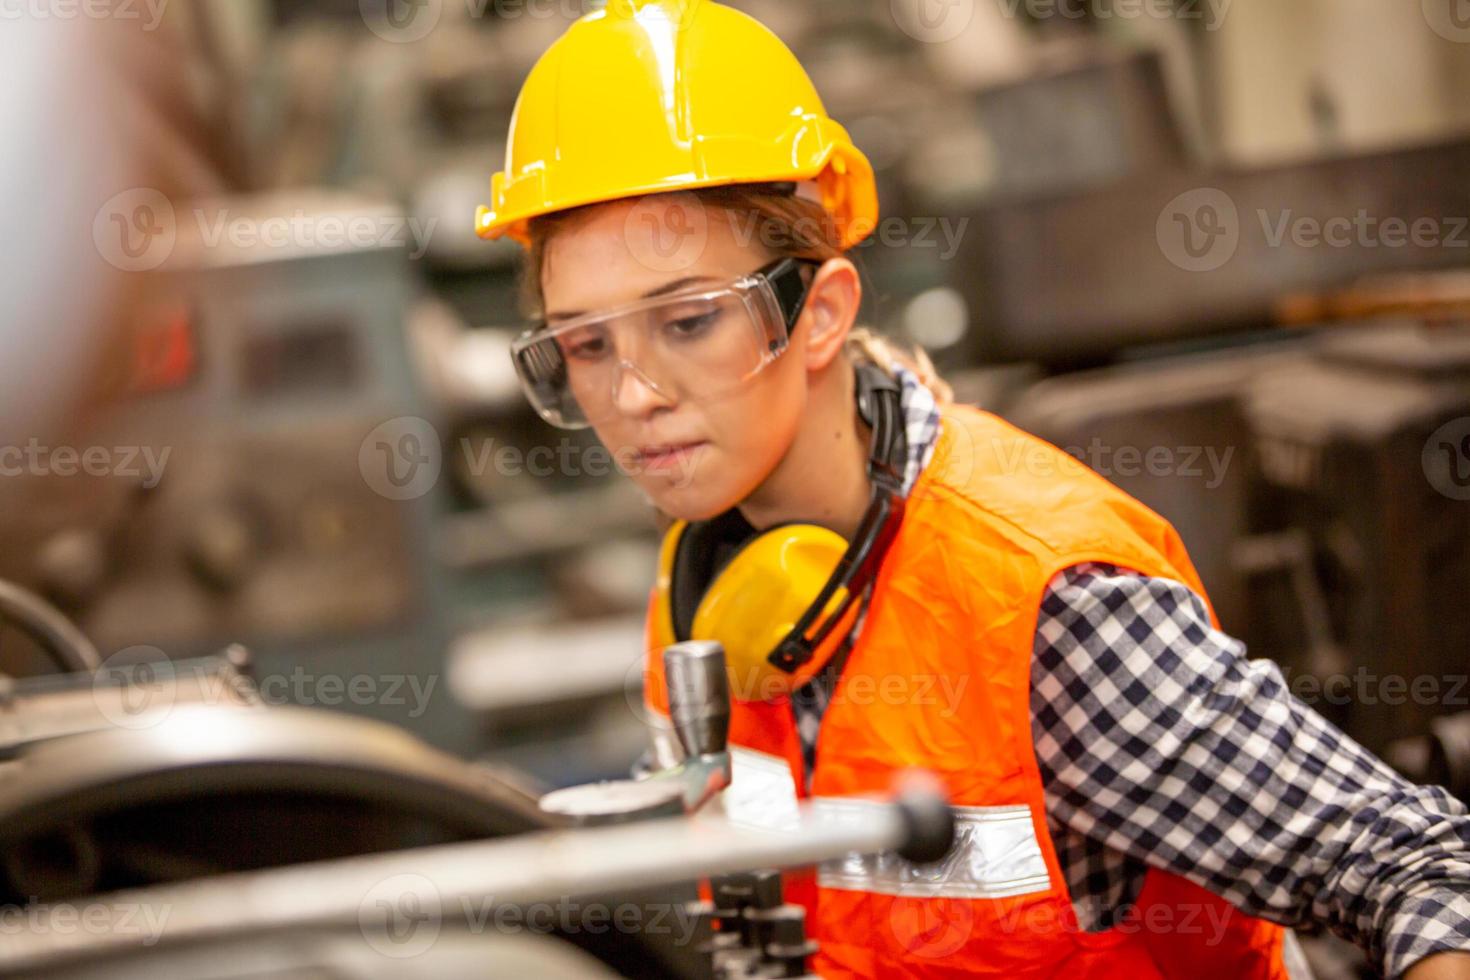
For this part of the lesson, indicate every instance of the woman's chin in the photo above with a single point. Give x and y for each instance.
(689, 503)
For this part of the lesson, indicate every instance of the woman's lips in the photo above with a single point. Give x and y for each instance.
(667, 456)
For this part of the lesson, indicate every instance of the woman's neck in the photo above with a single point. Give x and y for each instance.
(823, 478)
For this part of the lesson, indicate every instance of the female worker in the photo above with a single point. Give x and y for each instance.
(900, 582)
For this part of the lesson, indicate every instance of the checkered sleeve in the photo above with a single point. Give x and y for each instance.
(1160, 743)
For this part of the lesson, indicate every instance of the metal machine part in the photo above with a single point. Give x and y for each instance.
(1349, 467)
(351, 955)
(177, 792)
(759, 933)
(615, 801)
(1077, 124)
(67, 645)
(262, 366)
(37, 709)
(699, 707)
(281, 464)
(1072, 279)
(542, 866)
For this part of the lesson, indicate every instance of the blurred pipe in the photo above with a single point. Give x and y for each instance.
(535, 867)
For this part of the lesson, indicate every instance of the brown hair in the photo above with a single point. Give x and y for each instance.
(785, 224)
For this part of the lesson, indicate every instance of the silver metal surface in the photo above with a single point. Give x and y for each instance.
(543, 866)
(699, 695)
(699, 707)
(196, 749)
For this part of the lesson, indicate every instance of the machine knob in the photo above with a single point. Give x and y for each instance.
(786, 943)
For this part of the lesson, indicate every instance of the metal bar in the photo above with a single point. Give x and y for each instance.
(542, 866)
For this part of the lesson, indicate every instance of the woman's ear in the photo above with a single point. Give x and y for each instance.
(831, 309)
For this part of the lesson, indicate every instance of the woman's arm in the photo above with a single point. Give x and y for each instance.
(1443, 966)
(1158, 739)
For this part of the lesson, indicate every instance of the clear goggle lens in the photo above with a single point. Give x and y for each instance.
(690, 344)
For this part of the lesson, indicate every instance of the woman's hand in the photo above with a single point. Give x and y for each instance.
(1443, 966)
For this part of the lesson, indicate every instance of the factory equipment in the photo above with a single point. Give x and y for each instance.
(144, 811)
(699, 705)
(548, 866)
(1178, 255)
(163, 771)
(282, 466)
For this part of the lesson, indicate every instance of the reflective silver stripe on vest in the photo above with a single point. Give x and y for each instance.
(995, 855)
(762, 794)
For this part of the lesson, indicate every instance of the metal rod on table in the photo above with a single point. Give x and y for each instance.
(542, 866)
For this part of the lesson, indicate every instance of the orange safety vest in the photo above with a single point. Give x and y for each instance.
(940, 679)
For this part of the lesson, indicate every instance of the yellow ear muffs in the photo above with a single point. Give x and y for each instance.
(756, 599)
(663, 609)
(757, 593)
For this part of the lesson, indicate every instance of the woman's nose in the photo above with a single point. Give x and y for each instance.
(635, 393)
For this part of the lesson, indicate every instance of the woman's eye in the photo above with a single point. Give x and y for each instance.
(690, 326)
(586, 347)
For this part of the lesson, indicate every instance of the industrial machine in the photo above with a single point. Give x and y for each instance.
(221, 836)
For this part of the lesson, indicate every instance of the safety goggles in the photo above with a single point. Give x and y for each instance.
(698, 343)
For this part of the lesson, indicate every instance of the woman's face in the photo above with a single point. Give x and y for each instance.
(694, 453)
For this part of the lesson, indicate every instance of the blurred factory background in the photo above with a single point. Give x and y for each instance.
(1219, 250)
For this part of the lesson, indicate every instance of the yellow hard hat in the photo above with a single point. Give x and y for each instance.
(647, 96)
